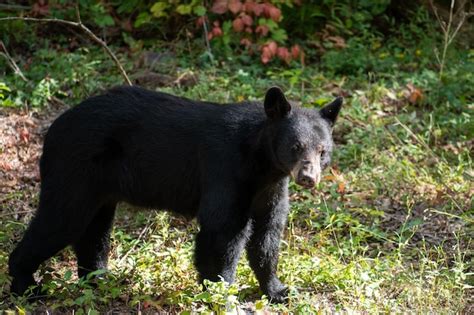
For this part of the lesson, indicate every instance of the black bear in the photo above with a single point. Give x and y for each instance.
(227, 165)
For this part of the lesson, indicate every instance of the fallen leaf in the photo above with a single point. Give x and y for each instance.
(24, 135)
(9, 183)
(341, 187)
(415, 95)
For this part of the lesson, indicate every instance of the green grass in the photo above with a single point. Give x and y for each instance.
(389, 229)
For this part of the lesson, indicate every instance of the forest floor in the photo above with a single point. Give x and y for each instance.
(389, 229)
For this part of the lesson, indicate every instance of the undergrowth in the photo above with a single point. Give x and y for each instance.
(388, 230)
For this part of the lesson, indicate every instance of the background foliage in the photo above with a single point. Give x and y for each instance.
(390, 228)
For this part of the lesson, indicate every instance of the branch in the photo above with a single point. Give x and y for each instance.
(13, 7)
(206, 37)
(435, 10)
(83, 28)
(12, 62)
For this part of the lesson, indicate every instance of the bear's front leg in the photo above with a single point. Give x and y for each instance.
(263, 247)
(223, 234)
(218, 252)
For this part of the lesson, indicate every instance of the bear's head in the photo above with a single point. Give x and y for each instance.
(300, 141)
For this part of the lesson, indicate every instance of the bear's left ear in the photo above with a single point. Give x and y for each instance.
(331, 110)
(276, 105)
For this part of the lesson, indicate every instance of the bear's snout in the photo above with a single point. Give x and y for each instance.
(309, 174)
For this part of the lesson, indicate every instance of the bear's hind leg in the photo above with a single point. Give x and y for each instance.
(92, 249)
(55, 226)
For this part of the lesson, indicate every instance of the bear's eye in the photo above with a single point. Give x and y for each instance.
(320, 149)
(297, 148)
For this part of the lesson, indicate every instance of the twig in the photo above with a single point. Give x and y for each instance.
(206, 36)
(83, 28)
(142, 233)
(78, 13)
(12, 62)
(450, 31)
(450, 215)
(12, 7)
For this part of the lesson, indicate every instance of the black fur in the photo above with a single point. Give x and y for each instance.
(229, 166)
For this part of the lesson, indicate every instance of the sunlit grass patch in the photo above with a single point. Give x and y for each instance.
(388, 230)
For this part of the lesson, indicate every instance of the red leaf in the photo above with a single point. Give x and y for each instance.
(262, 30)
(235, 6)
(295, 51)
(266, 55)
(248, 6)
(217, 31)
(274, 13)
(284, 54)
(247, 19)
(249, 30)
(200, 21)
(273, 47)
(258, 9)
(238, 25)
(266, 9)
(219, 6)
(40, 8)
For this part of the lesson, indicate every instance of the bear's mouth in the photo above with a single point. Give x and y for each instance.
(307, 182)
(308, 186)
(307, 178)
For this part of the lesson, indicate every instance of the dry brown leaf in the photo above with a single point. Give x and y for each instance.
(338, 41)
(341, 187)
(415, 95)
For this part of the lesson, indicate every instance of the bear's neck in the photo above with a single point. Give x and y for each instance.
(261, 163)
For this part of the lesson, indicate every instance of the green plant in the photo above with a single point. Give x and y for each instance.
(221, 297)
(347, 17)
(4, 95)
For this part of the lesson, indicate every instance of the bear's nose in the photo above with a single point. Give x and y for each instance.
(306, 181)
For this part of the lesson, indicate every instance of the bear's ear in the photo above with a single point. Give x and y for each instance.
(276, 105)
(331, 110)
